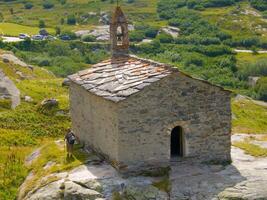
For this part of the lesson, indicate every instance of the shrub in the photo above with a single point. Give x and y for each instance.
(41, 23)
(261, 89)
(165, 38)
(136, 36)
(195, 60)
(259, 4)
(258, 68)
(151, 32)
(28, 5)
(71, 20)
(88, 38)
(48, 5)
(70, 34)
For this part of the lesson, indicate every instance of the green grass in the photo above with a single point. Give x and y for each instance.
(24, 129)
(233, 20)
(163, 185)
(50, 151)
(11, 29)
(249, 117)
(243, 58)
(141, 10)
(251, 149)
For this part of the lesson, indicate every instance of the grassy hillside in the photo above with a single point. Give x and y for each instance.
(141, 10)
(24, 129)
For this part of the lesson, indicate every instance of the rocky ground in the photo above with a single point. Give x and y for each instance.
(245, 178)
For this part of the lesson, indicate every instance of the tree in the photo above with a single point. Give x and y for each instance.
(261, 89)
(28, 5)
(58, 30)
(71, 20)
(48, 5)
(41, 23)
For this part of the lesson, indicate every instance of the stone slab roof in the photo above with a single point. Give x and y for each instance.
(117, 78)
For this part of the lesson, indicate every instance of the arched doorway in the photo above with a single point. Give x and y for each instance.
(177, 142)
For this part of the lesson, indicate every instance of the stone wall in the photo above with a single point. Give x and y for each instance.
(147, 118)
(94, 120)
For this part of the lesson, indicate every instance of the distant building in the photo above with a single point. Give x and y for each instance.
(140, 113)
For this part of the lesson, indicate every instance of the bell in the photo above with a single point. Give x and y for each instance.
(119, 37)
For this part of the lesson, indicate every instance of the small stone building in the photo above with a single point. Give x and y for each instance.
(138, 112)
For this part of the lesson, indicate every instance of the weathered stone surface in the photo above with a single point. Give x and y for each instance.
(49, 103)
(144, 193)
(66, 82)
(51, 191)
(28, 99)
(76, 191)
(9, 57)
(8, 90)
(245, 178)
(173, 31)
(33, 156)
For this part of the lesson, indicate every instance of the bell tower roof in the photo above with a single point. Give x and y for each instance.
(119, 36)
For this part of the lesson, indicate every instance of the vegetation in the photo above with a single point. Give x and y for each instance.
(24, 129)
(248, 117)
(251, 149)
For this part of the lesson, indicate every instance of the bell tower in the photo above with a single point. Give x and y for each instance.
(119, 37)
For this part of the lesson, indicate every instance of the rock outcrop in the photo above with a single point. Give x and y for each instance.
(171, 30)
(8, 90)
(244, 179)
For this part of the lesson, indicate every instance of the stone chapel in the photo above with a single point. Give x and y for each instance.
(137, 112)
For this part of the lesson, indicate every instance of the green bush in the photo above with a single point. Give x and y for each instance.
(195, 60)
(88, 38)
(259, 4)
(259, 68)
(261, 89)
(151, 32)
(71, 20)
(48, 4)
(28, 5)
(165, 38)
(136, 36)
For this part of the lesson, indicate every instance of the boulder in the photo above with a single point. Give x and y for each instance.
(28, 99)
(49, 103)
(80, 33)
(104, 18)
(144, 193)
(252, 80)
(66, 82)
(52, 191)
(75, 191)
(8, 90)
(171, 30)
(9, 57)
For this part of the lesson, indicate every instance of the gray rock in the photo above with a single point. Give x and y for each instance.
(144, 193)
(9, 57)
(171, 30)
(49, 103)
(8, 90)
(75, 191)
(28, 99)
(66, 82)
(104, 18)
(34, 155)
(252, 80)
(51, 191)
